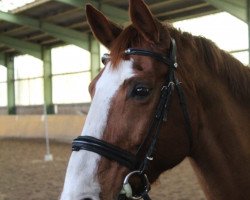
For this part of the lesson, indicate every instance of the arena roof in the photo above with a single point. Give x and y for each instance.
(48, 23)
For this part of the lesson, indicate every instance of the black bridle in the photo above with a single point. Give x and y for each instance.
(133, 161)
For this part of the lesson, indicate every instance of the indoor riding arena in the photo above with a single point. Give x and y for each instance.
(48, 57)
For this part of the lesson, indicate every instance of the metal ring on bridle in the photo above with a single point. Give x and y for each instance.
(144, 180)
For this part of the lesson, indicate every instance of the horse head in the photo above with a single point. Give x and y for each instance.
(125, 99)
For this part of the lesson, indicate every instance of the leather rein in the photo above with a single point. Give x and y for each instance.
(126, 158)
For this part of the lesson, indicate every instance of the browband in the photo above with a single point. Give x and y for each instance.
(168, 60)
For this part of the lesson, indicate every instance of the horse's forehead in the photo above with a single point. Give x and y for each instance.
(112, 77)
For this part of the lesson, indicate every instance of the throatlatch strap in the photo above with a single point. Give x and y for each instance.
(186, 116)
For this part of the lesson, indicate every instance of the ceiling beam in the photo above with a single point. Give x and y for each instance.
(180, 10)
(29, 6)
(155, 6)
(22, 46)
(68, 35)
(2, 59)
(191, 16)
(65, 34)
(116, 14)
(236, 8)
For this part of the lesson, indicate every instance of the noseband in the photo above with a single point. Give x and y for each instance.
(134, 162)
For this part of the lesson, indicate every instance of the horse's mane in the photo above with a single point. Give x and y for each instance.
(218, 61)
(226, 66)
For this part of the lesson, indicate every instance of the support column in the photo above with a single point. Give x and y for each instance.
(248, 23)
(2, 59)
(94, 48)
(47, 86)
(9, 63)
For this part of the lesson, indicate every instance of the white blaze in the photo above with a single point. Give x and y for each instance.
(81, 180)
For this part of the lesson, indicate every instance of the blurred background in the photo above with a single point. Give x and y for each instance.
(48, 57)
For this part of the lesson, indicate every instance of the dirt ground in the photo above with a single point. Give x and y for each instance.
(25, 176)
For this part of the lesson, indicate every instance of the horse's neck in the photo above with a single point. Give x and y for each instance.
(221, 156)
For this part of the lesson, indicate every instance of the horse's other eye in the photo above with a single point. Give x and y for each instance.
(105, 58)
(140, 92)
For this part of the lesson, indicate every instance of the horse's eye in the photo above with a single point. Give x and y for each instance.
(140, 92)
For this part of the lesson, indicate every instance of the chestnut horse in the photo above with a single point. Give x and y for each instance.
(126, 95)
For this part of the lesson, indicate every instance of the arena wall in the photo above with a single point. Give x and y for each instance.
(60, 127)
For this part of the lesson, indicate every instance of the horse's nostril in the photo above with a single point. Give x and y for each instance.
(87, 199)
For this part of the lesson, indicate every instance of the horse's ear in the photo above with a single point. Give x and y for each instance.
(103, 29)
(144, 21)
